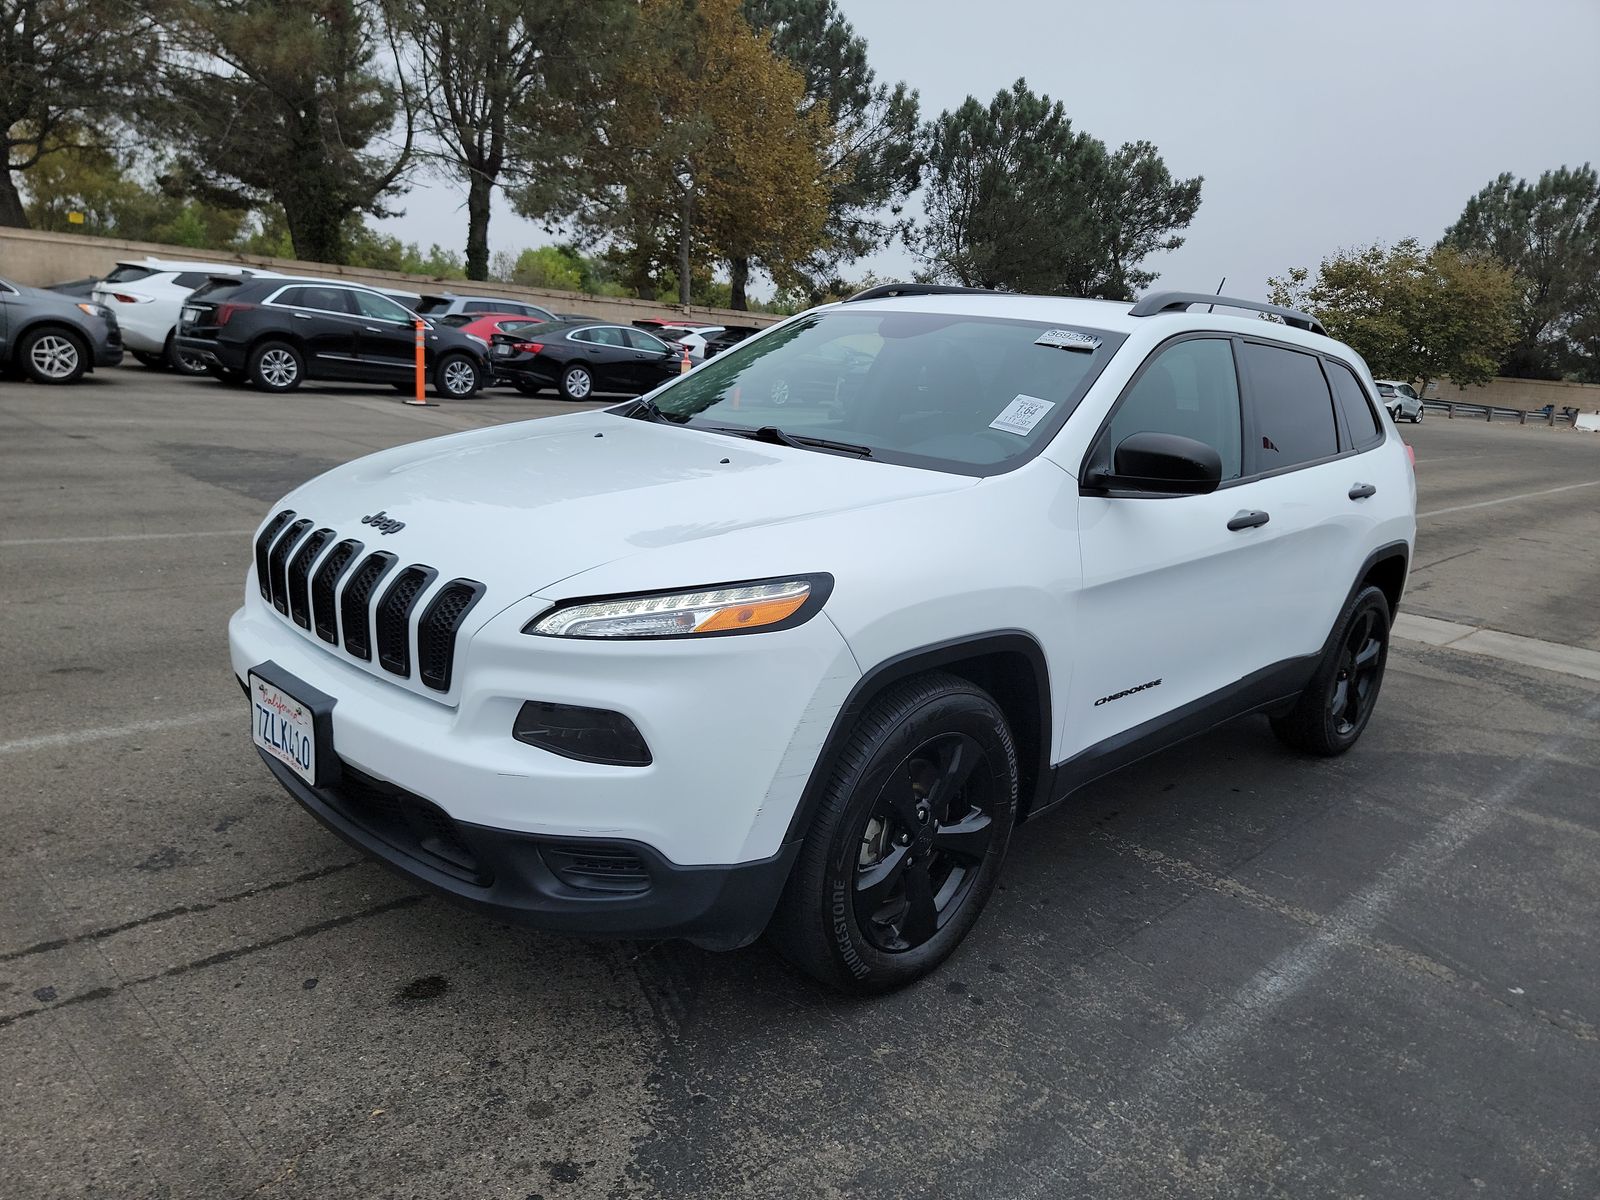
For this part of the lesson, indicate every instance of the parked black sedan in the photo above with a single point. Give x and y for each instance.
(580, 358)
(277, 332)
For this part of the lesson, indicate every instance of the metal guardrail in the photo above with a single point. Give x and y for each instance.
(1549, 415)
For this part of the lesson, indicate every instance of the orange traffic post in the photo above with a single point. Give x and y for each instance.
(683, 367)
(422, 369)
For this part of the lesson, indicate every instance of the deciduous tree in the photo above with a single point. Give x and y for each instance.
(1548, 233)
(66, 66)
(1413, 314)
(481, 68)
(872, 162)
(290, 102)
(705, 152)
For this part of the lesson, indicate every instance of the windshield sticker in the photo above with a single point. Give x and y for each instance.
(1021, 415)
(1068, 339)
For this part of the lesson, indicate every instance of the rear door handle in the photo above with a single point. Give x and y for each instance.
(1362, 490)
(1247, 519)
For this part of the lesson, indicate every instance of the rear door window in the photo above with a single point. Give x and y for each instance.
(1353, 403)
(640, 340)
(326, 299)
(1291, 407)
(380, 308)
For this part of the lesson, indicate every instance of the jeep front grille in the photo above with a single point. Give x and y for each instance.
(328, 590)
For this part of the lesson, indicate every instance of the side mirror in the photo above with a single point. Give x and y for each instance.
(1162, 463)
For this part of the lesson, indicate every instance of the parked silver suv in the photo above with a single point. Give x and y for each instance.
(1400, 399)
(51, 338)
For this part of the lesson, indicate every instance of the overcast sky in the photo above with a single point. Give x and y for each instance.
(1315, 126)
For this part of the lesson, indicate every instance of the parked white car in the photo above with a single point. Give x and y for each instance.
(147, 297)
(1400, 399)
(699, 665)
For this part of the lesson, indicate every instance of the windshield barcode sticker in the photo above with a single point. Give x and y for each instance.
(1021, 415)
(1067, 339)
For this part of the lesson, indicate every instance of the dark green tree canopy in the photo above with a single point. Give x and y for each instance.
(66, 69)
(1549, 234)
(285, 101)
(1016, 198)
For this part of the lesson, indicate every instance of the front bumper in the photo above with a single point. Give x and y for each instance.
(593, 888)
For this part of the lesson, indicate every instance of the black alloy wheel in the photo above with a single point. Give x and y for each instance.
(1355, 684)
(907, 840)
(922, 842)
(1337, 704)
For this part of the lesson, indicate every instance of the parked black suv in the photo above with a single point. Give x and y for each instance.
(276, 333)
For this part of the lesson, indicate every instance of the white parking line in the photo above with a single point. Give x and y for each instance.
(1439, 512)
(127, 537)
(76, 737)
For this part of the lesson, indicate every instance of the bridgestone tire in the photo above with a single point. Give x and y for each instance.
(1317, 724)
(816, 926)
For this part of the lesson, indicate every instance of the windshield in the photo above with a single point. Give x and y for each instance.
(954, 392)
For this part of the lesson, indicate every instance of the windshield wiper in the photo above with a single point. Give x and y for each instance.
(647, 410)
(771, 433)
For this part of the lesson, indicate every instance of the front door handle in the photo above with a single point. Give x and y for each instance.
(1362, 490)
(1247, 519)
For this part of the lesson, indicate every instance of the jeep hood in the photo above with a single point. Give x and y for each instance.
(521, 507)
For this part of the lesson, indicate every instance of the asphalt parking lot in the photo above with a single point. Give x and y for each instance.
(1226, 972)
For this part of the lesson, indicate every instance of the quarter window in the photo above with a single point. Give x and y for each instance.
(1358, 415)
(1292, 407)
(1189, 389)
(191, 279)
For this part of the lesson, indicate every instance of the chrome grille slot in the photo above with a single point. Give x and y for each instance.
(394, 618)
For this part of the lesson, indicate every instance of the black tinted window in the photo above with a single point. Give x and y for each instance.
(480, 306)
(191, 279)
(326, 298)
(1189, 389)
(214, 287)
(1292, 407)
(433, 304)
(127, 274)
(1358, 415)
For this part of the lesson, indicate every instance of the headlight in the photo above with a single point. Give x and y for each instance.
(726, 608)
(96, 310)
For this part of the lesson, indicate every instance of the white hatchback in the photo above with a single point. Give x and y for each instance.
(703, 665)
(147, 297)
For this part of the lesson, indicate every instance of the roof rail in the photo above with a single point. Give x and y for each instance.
(885, 291)
(1160, 302)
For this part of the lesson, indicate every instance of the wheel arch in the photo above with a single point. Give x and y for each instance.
(50, 321)
(1386, 569)
(1007, 664)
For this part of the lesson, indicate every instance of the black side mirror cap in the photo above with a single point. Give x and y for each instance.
(1162, 464)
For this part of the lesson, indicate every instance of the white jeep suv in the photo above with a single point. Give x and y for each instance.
(672, 669)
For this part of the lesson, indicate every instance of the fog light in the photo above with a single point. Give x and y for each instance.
(595, 735)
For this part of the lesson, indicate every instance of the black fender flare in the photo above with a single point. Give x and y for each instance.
(1036, 775)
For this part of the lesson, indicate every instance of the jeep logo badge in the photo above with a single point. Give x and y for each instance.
(383, 522)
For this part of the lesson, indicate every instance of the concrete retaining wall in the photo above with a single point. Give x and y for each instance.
(33, 257)
(1521, 393)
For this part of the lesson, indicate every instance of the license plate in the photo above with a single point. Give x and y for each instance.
(283, 727)
(191, 314)
(503, 350)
